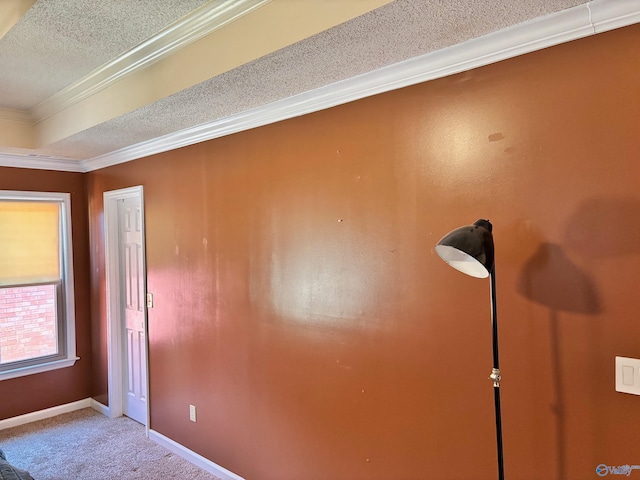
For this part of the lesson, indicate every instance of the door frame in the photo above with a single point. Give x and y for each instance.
(115, 321)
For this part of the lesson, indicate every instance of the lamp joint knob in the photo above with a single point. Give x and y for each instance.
(495, 377)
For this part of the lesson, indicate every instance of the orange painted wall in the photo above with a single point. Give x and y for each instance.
(300, 306)
(37, 392)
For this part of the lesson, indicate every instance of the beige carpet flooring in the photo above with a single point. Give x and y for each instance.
(86, 445)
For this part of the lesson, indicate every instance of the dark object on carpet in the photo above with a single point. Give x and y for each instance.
(9, 472)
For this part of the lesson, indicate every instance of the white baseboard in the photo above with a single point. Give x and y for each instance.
(101, 408)
(193, 457)
(160, 439)
(46, 413)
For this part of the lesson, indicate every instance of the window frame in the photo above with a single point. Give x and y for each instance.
(66, 356)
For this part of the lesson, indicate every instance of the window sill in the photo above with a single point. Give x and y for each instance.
(33, 369)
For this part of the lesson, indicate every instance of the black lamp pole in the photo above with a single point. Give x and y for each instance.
(495, 373)
(470, 250)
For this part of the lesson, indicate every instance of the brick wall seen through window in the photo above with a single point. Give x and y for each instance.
(27, 323)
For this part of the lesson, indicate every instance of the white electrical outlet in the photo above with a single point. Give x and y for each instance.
(192, 413)
(628, 375)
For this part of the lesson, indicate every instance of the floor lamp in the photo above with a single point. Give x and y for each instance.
(469, 249)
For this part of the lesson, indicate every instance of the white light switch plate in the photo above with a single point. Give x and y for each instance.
(628, 375)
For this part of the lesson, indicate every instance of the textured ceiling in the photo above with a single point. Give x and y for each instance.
(59, 41)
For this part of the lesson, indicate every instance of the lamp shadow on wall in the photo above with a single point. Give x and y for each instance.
(605, 227)
(599, 228)
(550, 279)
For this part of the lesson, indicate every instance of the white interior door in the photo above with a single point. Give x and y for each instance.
(132, 297)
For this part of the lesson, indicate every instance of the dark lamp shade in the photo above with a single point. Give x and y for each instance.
(469, 249)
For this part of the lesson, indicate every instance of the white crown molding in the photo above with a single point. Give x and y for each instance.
(41, 162)
(611, 14)
(199, 23)
(564, 26)
(19, 116)
(571, 24)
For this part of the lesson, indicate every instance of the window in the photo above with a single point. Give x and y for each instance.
(37, 318)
